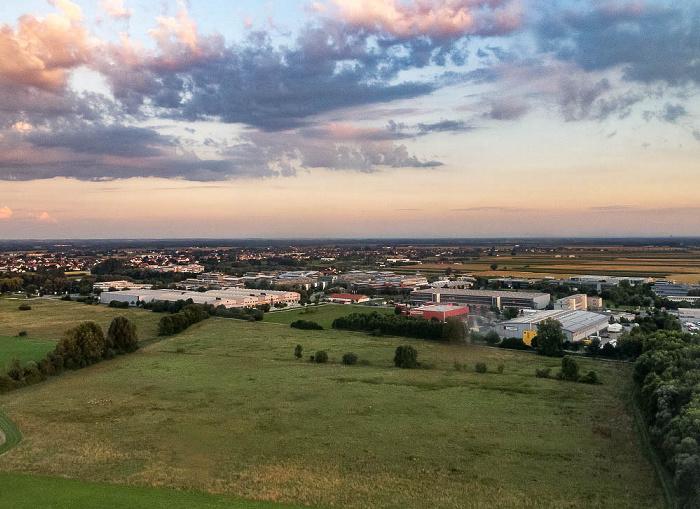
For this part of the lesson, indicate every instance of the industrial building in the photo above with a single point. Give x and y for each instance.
(348, 298)
(481, 298)
(231, 297)
(579, 302)
(577, 325)
(689, 314)
(440, 311)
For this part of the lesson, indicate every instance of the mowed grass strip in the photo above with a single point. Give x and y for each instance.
(225, 408)
(30, 492)
(323, 314)
(10, 434)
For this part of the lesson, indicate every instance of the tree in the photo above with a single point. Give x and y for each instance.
(349, 359)
(453, 330)
(494, 266)
(298, 351)
(321, 357)
(121, 336)
(550, 338)
(397, 310)
(82, 345)
(492, 338)
(509, 313)
(569, 368)
(406, 357)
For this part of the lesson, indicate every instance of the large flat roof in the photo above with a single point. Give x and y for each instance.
(483, 293)
(571, 321)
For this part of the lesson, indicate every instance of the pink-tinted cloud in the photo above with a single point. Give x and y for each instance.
(5, 212)
(436, 18)
(40, 51)
(44, 217)
(115, 9)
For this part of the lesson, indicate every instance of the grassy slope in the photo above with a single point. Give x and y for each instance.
(323, 315)
(236, 414)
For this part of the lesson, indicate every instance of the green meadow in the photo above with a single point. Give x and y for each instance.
(225, 409)
(323, 314)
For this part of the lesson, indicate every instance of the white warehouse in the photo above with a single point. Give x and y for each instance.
(577, 325)
(232, 297)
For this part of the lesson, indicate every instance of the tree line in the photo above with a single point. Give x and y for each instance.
(667, 378)
(403, 325)
(80, 346)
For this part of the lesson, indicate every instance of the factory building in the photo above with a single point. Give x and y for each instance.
(348, 298)
(481, 298)
(231, 297)
(579, 302)
(577, 325)
(440, 311)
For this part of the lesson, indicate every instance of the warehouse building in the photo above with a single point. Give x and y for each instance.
(231, 297)
(485, 299)
(577, 325)
(348, 298)
(440, 311)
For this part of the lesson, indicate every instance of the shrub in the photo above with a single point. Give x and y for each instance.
(480, 367)
(306, 325)
(364, 362)
(118, 304)
(543, 373)
(513, 344)
(492, 338)
(501, 368)
(459, 366)
(569, 368)
(476, 337)
(298, 351)
(321, 357)
(179, 349)
(121, 336)
(376, 332)
(349, 359)
(22, 333)
(589, 378)
(406, 357)
(25, 307)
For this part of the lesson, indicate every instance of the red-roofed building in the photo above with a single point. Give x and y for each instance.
(441, 312)
(348, 298)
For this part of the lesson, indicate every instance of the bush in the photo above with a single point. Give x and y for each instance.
(321, 357)
(349, 359)
(22, 333)
(476, 337)
(406, 357)
(25, 307)
(376, 332)
(364, 362)
(569, 368)
(513, 344)
(298, 351)
(480, 367)
(543, 373)
(306, 325)
(492, 338)
(118, 304)
(501, 368)
(589, 378)
(459, 366)
(121, 336)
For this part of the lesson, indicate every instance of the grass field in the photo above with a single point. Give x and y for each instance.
(24, 348)
(30, 492)
(224, 408)
(49, 318)
(323, 315)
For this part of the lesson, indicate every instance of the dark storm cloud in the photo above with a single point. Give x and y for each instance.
(116, 140)
(652, 43)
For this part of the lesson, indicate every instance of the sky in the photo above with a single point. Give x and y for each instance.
(349, 118)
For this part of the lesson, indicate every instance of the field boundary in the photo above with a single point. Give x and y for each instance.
(660, 472)
(10, 435)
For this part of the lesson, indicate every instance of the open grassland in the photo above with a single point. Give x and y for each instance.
(322, 315)
(680, 264)
(48, 318)
(24, 348)
(31, 492)
(224, 408)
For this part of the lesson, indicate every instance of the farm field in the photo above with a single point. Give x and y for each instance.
(224, 408)
(323, 314)
(681, 265)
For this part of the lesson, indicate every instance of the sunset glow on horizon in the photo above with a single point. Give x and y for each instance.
(340, 118)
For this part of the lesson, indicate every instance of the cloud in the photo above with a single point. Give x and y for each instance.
(40, 51)
(510, 108)
(115, 9)
(116, 140)
(673, 112)
(651, 43)
(487, 209)
(440, 19)
(5, 212)
(43, 217)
